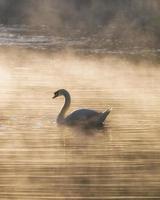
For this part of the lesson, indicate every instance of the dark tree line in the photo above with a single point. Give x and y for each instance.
(18, 11)
(88, 15)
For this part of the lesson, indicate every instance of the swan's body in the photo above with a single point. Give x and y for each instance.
(82, 117)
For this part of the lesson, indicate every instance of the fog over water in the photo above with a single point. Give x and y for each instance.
(105, 54)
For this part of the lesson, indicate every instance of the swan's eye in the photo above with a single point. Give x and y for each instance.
(56, 94)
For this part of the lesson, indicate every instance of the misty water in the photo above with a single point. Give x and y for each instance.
(40, 160)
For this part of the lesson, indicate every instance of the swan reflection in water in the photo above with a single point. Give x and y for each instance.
(83, 117)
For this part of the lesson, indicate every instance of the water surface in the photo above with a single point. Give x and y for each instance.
(40, 160)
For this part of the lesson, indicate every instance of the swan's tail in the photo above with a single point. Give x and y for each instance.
(105, 114)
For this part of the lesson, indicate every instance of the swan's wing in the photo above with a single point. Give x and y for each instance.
(83, 116)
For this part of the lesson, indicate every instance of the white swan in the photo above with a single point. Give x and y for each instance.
(82, 117)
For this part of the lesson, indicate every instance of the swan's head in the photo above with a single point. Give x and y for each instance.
(59, 93)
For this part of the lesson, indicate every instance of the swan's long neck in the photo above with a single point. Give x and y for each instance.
(61, 116)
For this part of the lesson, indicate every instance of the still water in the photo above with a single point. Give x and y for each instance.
(40, 160)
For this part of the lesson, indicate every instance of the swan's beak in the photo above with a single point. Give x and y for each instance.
(55, 95)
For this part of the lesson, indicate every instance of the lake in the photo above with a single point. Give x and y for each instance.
(41, 160)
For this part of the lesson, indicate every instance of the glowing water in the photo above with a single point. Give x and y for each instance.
(40, 160)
